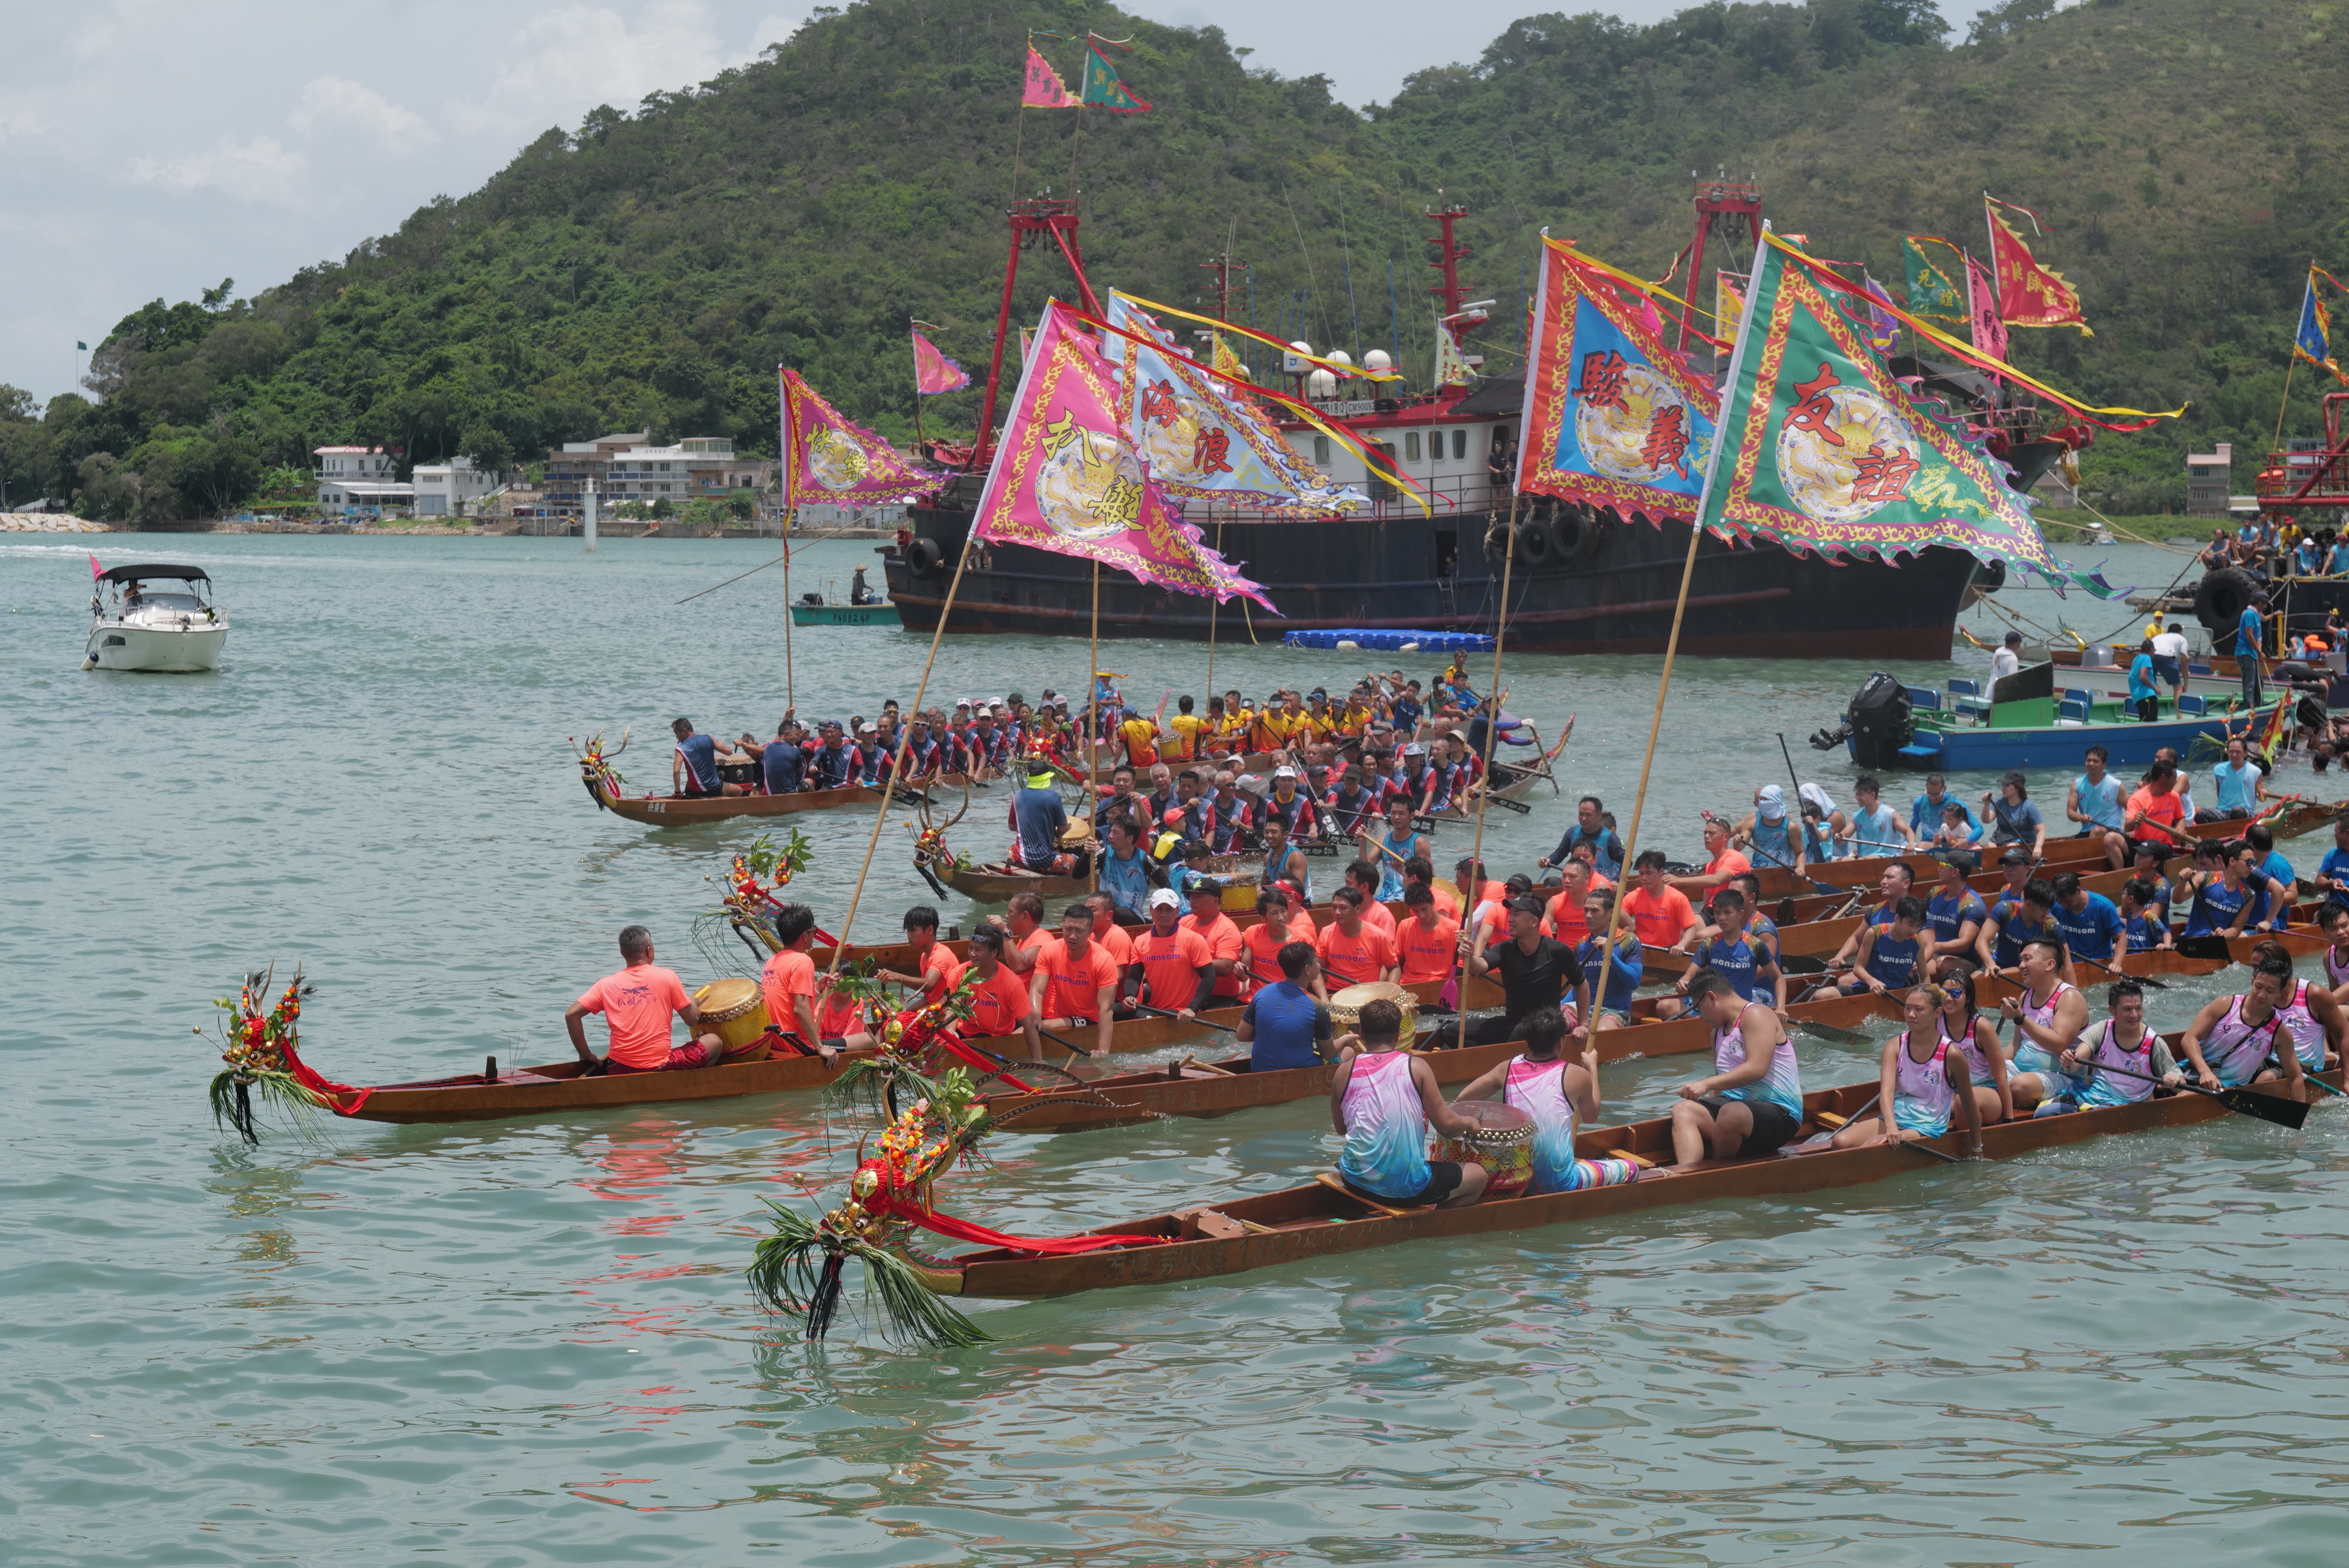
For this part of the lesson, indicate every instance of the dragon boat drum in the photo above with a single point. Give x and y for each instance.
(1503, 1144)
(735, 1010)
(1345, 1007)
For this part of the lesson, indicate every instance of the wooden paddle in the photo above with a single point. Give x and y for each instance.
(2290, 1113)
(1336, 1185)
(1162, 1013)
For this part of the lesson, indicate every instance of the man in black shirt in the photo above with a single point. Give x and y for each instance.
(1534, 970)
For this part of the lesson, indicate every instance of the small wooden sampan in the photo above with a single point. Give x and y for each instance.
(735, 1010)
(1503, 1144)
(1346, 1005)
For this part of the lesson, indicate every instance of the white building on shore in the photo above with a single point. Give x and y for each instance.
(450, 489)
(357, 477)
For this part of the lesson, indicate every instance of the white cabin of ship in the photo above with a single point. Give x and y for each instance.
(1447, 455)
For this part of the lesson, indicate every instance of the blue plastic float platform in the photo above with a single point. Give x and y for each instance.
(1388, 640)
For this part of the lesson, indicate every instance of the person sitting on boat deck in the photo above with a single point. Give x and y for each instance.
(1922, 1077)
(1954, 840)
(637, 1003)
(2095, 801)
(782, 761)
(2014, 818)
(1886, 957)
(1727, 950)
(1426, 943)
(2219, 553)
(1752, 1102)
(1974, 1035)
(1353, 951)
(1657, 911)
(2242, 783)
(1534, 971)
(1207, 921)
(1383, 1101)
(2050, 1013)
(2223, 904)
(933, 970)
(1928, 811)
(1124, 868)
(1285, 1024)
(1170, 969)
(788, 984)
(1289, 806)
(1874, 829)
(1278, 924)
(1765, 830)
(1107, 933)
(1000, 1003)
(2312, 1017)
(2091, 926)
(1589, 828)
(2239, 1040)
(1039, 819)
(1954, 915)
(693, 768)
(1557, 1093)
(2014, 921)
(2006, 661)
(1074, 981)
(1625, 964)
(1722, 863)
(2141, 917)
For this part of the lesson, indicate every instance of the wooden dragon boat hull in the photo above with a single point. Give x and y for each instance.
(1304, 1223)
(680, 810)
(997, 884)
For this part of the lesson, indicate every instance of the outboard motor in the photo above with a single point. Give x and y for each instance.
(1880, 720)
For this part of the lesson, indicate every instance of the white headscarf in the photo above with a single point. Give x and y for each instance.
(1818, 796)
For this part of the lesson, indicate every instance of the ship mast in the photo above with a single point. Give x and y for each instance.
(1028, 219)
(1734, 208)
(1451, 252)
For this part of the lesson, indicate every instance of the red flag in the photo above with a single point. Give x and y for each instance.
(1990, 329)
(1042, 87)
(2029, 295)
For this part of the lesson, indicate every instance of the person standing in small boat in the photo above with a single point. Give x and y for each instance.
(1382, 1102)
(1557, 1094)
(638, 1003)
(1923, 1080)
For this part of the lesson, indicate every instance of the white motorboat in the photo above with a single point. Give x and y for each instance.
(133, 627)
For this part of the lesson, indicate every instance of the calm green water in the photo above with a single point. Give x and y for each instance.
(529, 1342)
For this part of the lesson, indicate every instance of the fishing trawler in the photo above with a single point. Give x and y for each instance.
(1583, 581)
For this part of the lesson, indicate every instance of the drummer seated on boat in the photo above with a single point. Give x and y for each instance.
(1384, 1101)
(693, 768)
(1752, 1103)
(2239, 1040)
(2115, 1064)
(1923, 1076)
(1557, 1094)
(1074, 982)
(1039, 818)
(1171, 970)
(637, 1003)
(1287, 1024)
(789, 985)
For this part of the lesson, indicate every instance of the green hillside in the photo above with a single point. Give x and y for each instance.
(651, 268)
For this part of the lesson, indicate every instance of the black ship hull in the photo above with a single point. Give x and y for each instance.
(1579, 585)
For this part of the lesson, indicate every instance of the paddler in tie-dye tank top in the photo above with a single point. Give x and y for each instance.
(1382, 1102)
(1555, 1093)
(1922, 1078)
(2049, 1018)
(2232, 1040)
(1752, 1102)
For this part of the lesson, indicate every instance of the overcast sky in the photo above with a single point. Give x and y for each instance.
(151, 148)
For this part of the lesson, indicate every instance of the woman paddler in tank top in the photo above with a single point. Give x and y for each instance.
(2230, 1039)
(1975, 1037)
(2049, 1016)
(1923, 1080)
(1382, 1100)
(1557, 1093)
(2312, 1017)
(2122, 1043)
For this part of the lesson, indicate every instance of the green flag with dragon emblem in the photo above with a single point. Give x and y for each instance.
(1820, 448)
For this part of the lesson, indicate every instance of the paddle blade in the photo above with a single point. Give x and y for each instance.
(2205, 947)
(1840, 1036)
(2290, 1113)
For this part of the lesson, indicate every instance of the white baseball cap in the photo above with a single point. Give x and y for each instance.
(1165, 898)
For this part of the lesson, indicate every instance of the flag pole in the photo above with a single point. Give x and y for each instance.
(1214, 605)
(2292, 361)
(898, 764)
(1092, 719)
(791, 514)
(1468, 895)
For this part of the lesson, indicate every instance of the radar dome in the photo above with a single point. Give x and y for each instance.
(1378, 359)
(1322, 383)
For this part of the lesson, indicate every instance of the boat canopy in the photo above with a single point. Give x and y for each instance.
(140, 574)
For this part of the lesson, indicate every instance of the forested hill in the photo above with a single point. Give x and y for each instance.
(649, 270)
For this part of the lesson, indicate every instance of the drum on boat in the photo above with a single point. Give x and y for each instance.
(1345, 1007)
(735, 1010)
(1503, 1144)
